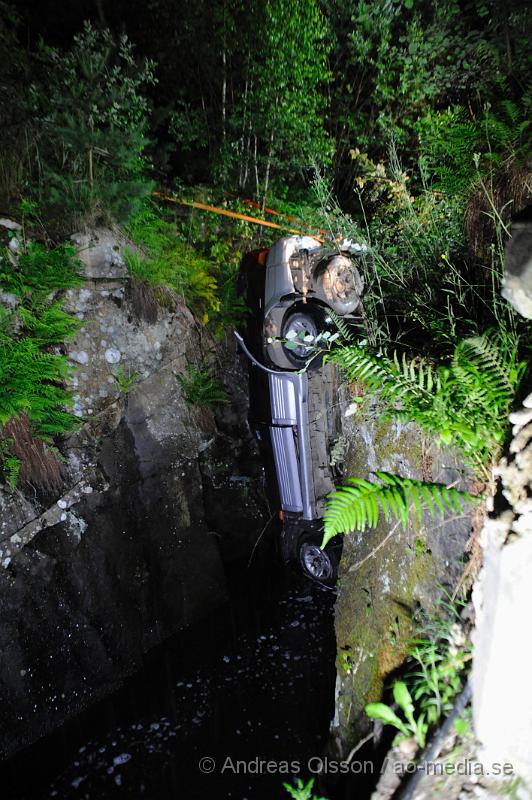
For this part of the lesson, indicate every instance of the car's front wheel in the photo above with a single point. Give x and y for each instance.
(301, 327)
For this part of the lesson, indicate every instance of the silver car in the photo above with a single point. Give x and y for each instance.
(291, 290)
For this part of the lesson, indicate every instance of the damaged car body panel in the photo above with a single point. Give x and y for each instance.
(303, 282)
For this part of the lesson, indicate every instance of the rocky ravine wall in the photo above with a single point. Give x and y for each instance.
(377, 585)
(502, 656)
(388, 574)
(156, 494)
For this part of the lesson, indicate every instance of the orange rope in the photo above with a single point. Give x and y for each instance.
(269, 210)
(224, 212)
(258, 205)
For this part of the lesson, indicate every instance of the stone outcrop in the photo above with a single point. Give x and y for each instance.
(157, 494)
(389, 574)
(502, 693)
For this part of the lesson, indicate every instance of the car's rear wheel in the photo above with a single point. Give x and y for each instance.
(318, 565)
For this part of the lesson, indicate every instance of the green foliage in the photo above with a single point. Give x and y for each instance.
(412, 726)
(398, 63)
(125, 380)
(417, 281)
(251, 111)
(458, 150)
(166, 260)
(291, 132)
(93, 123)
(200, 387)
(48, 324)
(227, 258)
(39, 271)
(437, 666)
(198, 257)
(358, 504)
(302, 791)
(32, 372)
(32, 382)
(9, 463)
(464, 403)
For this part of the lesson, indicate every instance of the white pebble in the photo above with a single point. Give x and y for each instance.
(81, 357)
(121, 759)
(112, 355)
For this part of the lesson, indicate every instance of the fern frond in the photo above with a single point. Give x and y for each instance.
(49, 324)
(394, 379)
(358, 504)
(494, 359)
(345, 331)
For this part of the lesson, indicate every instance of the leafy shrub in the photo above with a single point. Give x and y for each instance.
(165, 260)
(93, 122)
(200, 387)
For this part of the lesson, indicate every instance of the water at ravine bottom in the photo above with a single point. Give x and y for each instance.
(252, 684)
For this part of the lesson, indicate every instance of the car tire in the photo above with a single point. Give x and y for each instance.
(341, 285)
(319, 566)
(306, 318)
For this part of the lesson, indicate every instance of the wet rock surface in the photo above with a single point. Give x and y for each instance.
(129, 552)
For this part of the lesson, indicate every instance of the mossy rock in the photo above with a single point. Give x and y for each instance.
(390, 574)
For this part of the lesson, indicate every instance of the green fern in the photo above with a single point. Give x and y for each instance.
(10, 463)
(39, 271)
(166, 260)
(394, 378)
(32, 372)
(48, 324)
(359, 504)
(464, 404)
(200, 387)
(501, 133)
(31, 382)
(346, 331)
(125, 380)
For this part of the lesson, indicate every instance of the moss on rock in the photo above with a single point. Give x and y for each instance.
(389, 573)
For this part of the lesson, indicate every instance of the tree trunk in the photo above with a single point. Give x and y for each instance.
(224, 89)
(242, 167)
(256, 169)
(268, 168)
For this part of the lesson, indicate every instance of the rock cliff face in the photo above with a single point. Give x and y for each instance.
(157, 493)
(502, 698)
(389, 574)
